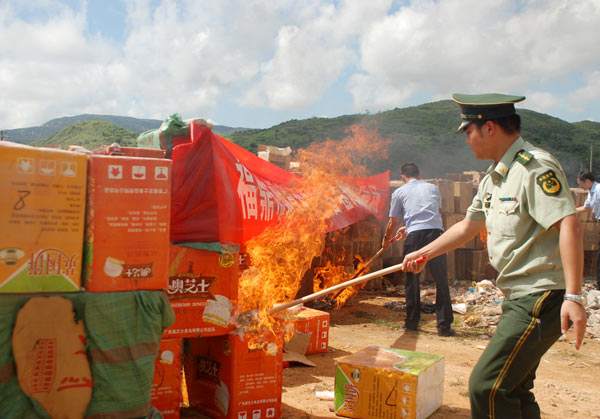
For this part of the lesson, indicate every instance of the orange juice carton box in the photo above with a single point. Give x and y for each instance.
(166, 389)
(42, 214)
(127, 223)
(235, 377)
(313, 322)
(381, 382)
(203, 291)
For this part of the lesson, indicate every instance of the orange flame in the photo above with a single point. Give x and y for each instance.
(283, 253)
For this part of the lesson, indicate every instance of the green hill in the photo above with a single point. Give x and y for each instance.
(90, 134)
(31, 135)
(426, 135)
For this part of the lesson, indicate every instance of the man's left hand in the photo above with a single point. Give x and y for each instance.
(574, 312)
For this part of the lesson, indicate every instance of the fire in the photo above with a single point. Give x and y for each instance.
(283, 253)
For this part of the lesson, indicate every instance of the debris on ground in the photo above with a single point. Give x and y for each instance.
(481, 304)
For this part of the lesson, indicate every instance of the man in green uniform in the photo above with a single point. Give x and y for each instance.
(534, 242)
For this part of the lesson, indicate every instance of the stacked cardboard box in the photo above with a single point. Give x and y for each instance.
(41, 219)
(233, 377)
(203, 291)
(278, 156)
(127, 223)
(56, 203)
(166, 394)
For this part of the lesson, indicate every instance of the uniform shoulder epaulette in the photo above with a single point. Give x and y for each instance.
(523, 157)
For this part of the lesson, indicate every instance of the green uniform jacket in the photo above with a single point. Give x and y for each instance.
(520, 198)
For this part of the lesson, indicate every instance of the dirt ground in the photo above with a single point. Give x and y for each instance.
(567, 384)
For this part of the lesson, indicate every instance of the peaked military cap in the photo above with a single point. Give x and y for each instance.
(484, 107)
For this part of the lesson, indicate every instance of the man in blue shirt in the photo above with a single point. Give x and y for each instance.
(587, 181)
(418, 204)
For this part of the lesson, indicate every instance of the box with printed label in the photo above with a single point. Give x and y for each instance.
(166, 392)
(42, 214)
(127, 223)
(230, 377)
(203, 290)
(313, 322)
(381, 382)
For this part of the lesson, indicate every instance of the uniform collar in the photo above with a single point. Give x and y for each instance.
(508, 158)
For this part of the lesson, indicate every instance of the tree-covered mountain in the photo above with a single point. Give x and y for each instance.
(426, 135)
(91, 135)
(136, 125)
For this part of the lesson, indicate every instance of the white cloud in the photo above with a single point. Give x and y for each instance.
(587, 94)
(544, 102)
(473, 46)
(311, 54)
(200, 57)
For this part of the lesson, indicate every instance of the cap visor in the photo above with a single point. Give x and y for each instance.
(463, 126)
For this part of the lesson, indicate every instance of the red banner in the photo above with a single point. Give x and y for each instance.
(223, 193)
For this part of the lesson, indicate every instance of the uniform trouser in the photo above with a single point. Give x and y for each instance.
(501, 382)
(439, 270)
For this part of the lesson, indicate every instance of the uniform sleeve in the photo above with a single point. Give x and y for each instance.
(548, 194)
(475, 212)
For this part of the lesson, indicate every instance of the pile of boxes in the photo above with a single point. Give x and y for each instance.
(81, 223)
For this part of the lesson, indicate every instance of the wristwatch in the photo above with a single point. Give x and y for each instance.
(578, 298)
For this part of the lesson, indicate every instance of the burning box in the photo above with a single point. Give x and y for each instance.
(203, 289)
(166, 385)
(127, 223)
(42, 214)
(381, 382)
(313, 322)
(228, 378)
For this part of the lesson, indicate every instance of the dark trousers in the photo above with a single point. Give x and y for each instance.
(439, 270)
(501, 382)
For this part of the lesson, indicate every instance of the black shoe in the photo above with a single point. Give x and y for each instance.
(446, 332)
(407, 327)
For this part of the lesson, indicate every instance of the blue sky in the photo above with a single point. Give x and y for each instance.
(257, 63)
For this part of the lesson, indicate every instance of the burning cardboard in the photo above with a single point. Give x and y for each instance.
(314, 324)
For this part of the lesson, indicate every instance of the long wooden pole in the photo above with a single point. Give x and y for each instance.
(314, 296)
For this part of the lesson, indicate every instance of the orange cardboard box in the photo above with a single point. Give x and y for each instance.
(203, 290)
(166, 384)
(116, 150)
(313, 322)
(127, 223)
(42, 213)
(228, 379)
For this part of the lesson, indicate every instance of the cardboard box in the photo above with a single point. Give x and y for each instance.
(166, 393)
(203, 290)
(42, 214)
(127, 223)
(591, 234)
(117, 150)
(314, 323)
(228, 379)
(381, 382)
(473, 265)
